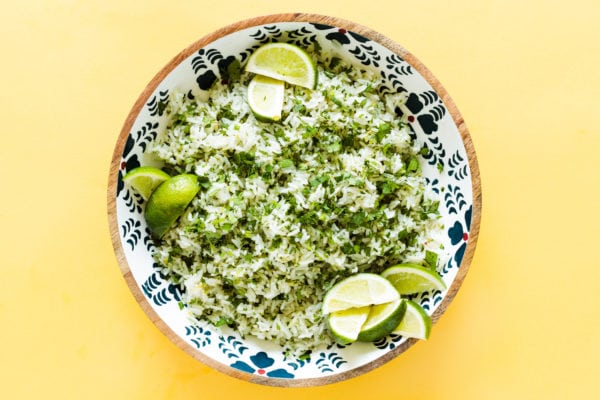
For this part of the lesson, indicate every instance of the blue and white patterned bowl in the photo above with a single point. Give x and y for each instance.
(434, 120)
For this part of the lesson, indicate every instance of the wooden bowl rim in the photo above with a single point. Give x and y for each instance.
(155, 82)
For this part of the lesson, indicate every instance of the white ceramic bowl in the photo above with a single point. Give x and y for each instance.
(434, 119)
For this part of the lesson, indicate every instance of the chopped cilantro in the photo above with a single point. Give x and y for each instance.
(382, 131)
(223, 320)
(299, 108)
(225, 112)
(413, 165)
(388, 149)
(349, 248)
(359, 218)
(279, 133)
(334, 147)
(389, 187)
(431, 259)
(286, 163)
(204, 182)
(335, 61)
(319, 180)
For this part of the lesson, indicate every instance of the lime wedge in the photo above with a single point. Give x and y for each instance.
(416, 323)
(168, 202)
(382, 320)
(344, 326)
(265, 97)
(284, 62)
(145, 179)
(359, 290)
(412, 278)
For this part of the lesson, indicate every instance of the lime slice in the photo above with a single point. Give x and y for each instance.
(168, 202)
(412, 278)
(145, 179)
(265, 97)
(284, 62)
(382, 320)
(359, 290)
(416, 323)
(345, 325)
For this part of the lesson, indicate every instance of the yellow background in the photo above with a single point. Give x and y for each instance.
(524, 74)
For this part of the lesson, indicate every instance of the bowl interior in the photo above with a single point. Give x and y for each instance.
(449, 167)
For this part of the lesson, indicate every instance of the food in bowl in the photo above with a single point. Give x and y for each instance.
(289, 208)
(445, 156)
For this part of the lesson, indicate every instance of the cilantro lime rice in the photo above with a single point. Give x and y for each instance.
(289, 208)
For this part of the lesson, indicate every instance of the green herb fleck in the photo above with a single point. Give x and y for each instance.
(286, 163)
(388, 149)
(413, 165)
(319, 180)
(204, 182)
(389, 187)
(224, 321)
(335, 61)
(299, 108)
(382, 131)
(431, 259)
(231, 72)
(359, 218)
(348, 248)
(334, 147)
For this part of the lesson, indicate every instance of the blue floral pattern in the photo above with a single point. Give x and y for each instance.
(261, 364)
(448, 174)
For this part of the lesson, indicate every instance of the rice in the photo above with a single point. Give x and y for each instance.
(290, 208)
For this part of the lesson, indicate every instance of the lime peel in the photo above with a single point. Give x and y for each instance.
(359, 290)
(413, 278)
(168, 202)
(145, 180)
(285, 62)
(416, 323)
(344, 326)
(382, 320)
(265, 97)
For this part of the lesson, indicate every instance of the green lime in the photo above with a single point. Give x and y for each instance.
(359, 290)
(344, 326)
(265, 97)
(284, 62)
(416, 323)
(412, 278)
(382, 320)
(168, 202)
(145, 179)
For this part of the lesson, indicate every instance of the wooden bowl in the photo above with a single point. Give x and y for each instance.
(434, 119)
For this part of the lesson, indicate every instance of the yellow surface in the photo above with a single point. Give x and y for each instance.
(525, 75)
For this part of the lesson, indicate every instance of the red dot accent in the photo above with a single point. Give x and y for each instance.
(465, 236)
(411, 118)
(123, 165)
(261, 371)
(342, 30)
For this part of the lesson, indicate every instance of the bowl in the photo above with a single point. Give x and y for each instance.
(449, 166)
